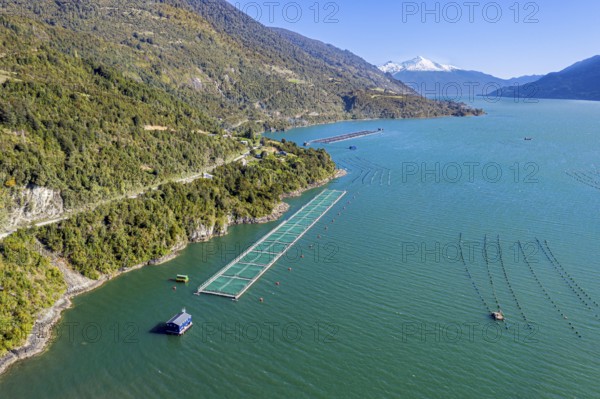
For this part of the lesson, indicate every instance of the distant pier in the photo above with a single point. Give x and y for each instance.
(343, 137)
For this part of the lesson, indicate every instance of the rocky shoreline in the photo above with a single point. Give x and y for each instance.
(338, 173)
(77, 284)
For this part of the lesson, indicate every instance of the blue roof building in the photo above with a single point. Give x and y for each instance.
(179, 323)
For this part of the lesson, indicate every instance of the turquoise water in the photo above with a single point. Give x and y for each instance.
(380, 305)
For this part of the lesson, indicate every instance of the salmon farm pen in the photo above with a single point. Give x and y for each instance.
(236, 277)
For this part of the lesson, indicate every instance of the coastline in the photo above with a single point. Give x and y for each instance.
(338, 173)
(42, 333)
(69, 213)
(318, 124)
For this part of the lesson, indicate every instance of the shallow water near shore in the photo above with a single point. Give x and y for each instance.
(381, 305)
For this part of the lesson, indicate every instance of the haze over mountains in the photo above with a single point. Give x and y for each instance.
(437, 80)
(580, 81)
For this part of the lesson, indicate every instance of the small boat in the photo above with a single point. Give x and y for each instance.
(528, 138)
(497, 315)
(182, 278)
(352, 147)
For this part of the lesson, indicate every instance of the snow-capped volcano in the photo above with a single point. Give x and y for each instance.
(419, 64)
(428, 77)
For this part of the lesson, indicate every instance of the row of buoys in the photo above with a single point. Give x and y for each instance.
(589, 181)
(358, 177)
(508, 283)
(371, 166)
(278, 283)
(460, 252)
(366, 163)
(487, 265)
(569, 276)
(560, 273)
(584, 176)
(368, 167)
(333, 219)
(366, 175)
(374, 176)
(571, 283)
(383, 170)
(343, 164)
(535, 277)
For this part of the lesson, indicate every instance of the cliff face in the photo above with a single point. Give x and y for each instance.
(277, 212)
(33, 203)
(205, 232)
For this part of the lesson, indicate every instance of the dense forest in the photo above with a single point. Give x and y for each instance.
(125, 233)
(28, 284)
(82, 128)
(214, 57)
(105, 98)
(134, 231)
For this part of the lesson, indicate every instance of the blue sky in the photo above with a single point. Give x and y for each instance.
(489, 36)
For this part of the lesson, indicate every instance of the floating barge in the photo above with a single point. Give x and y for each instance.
(343, 137)
(179, 324)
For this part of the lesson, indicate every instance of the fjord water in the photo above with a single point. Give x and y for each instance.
(380, 305)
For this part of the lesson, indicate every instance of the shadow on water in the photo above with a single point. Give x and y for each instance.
(159, 328)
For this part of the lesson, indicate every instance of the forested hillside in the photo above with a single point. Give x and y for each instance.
(212, 56)
(83, 128)
(100, 98)
(104, 98)
(131, 232)
(28, 284)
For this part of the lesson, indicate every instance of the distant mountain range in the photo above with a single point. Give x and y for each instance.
(433, 79)
(580, 81)
(418, 64)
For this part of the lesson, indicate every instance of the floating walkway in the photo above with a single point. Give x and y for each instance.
(234, 279)
(343, 137)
